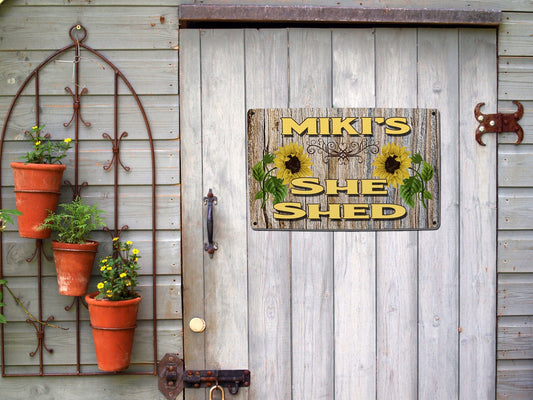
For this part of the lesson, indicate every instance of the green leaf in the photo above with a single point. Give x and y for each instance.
(3, 319)
(427, 195)
(416, 158)
(268, 158)
(427, 172)
(257, 172)
(259, 195)
(280, 194)
(410, 187)
(3, 281)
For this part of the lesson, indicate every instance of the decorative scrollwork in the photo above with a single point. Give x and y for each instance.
(343, 152)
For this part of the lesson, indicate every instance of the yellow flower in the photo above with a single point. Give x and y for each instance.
(291, 163)
(109, 268)
(392, 164)
(109, 293)
(115, 239)
(123, 275)
(35, 127)
(135, 251)
(37, 143)
(129, 242)
(102, 268)
(128, 283)
(68, 140)
(100, 285)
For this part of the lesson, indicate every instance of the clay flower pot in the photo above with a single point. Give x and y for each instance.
(37, 189)
(113, 324)
(74, 264)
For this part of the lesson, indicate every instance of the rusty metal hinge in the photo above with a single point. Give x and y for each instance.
(173, 378)
(499, 123)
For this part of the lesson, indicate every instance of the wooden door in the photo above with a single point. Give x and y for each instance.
(344, 315)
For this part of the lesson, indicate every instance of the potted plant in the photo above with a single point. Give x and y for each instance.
(38, 182)
(74, 253)
(113, 308)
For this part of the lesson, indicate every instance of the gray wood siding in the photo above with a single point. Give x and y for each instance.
(141, 42)
(135, 36)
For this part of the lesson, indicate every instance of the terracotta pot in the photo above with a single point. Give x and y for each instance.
(74, 264)
(37, 189)
(113, 324)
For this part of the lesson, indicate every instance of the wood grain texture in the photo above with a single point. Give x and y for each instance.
(514, 208)
(514, 380)
(514, 34)
(438, 250)
(515, 251)
(396, 297)
(477, 311)
(269, 269)
(513, 161)
(355, 258)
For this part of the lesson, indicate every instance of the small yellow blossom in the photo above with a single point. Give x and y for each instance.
(35, 127)
(109, 293)
(37, 143)
(68, 140)
(135, 251)
(128, 283)
(109, 268)
(129, 242)
(123, 275)
(100, 285)
(102, 268)
(115, 239)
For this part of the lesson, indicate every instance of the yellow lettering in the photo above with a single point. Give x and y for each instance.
(339, 124)
(333, 212)
(311, 184)
(307, 126)
(373, 186)
(324, 126)
(293, 210)
(366, 126)
(400, 125)
(333, 188)
(378, 211)
(356, 211)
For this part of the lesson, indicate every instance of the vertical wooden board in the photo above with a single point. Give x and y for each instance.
(477, 318)
(191, 193)
(224, 170)
(396, 281)
(312, 253)
(355, 266)
(439, 250)
(269, 269)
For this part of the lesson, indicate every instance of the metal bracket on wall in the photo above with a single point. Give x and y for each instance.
(499, 123)
(173, 377)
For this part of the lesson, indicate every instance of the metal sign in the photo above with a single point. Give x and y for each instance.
(361, 169)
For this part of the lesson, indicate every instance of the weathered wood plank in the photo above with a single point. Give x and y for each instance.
(168, 298)
(438, 250)
(93, 156)
(158, 75)
(192, 207)
(514, 294)
(224, 170)
(514, 78)
(396, 252)
(514, 380)
(312, 253)
(515, 34)
(513, 161)
(86, 387)
(515, 251)
(16, 250)
(116, 28)
(161, 112)
(269, 293)
(515, 338)
(515, 208)
(355, 258)
(477, 313)
(134, 203)
(20, 337)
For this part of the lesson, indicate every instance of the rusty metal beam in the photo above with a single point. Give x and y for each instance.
(194, 16)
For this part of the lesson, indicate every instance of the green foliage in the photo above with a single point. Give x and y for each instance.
(74, 222)
(415, 186)
(6, 216)
(44, 150)
(119, 272)
(270, 185)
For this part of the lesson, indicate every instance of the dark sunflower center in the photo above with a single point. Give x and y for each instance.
(391, 165)
(293, 164)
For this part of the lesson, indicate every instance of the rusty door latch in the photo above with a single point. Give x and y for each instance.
(173, 378)
(499, 123)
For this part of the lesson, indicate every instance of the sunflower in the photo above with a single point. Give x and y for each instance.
(291, 163)
(392, 164)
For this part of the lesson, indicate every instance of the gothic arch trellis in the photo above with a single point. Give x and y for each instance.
(78, 34)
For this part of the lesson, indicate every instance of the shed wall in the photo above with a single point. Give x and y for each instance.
(140, 36)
